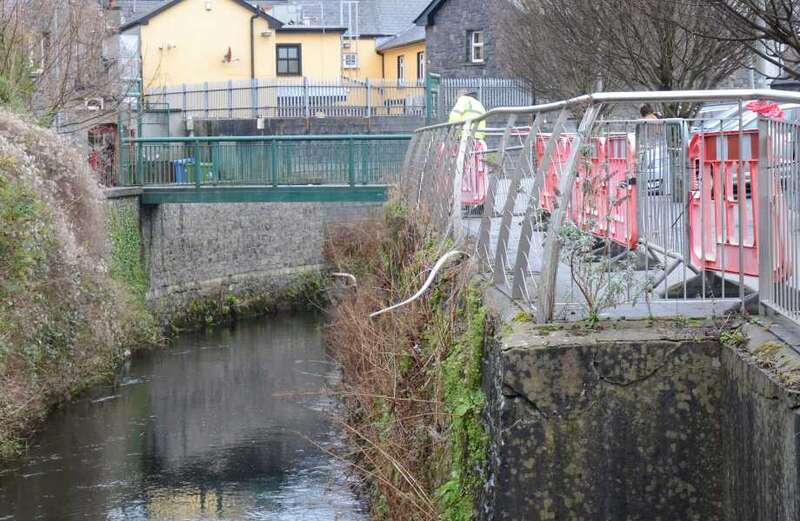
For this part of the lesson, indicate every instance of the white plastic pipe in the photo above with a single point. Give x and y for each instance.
(436, 267)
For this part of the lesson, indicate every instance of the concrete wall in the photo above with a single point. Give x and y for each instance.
(616, 425)
(639, 421)
(207, 249)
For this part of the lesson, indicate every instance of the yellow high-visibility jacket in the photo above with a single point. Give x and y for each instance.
(466, 108)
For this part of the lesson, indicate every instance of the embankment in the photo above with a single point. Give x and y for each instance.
(71, 301)
(411, 378)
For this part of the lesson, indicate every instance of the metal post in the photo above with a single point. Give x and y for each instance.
(205, 97)
(306, 103)
(230, 99)
(526, 234)
(764, 225)
(351, 162)
(185, 105)
(488, 203)
(742, 202)
(466, 133)
(369, 99)
(254, 96)
(274, 161)
(552, 249)
(197, 173)
(501, 255)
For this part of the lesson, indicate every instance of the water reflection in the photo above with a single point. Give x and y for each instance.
(217, 427)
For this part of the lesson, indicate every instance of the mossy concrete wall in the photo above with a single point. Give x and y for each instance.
(615, 424)
(638, 421)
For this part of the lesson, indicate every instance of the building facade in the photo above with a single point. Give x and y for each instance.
(460, 38)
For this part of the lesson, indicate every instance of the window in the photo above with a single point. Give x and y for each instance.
(289, 60)
(420, 65)
(401, 67)
(350, 60)
(476, 43)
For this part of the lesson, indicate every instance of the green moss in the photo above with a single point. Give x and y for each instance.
(732, 337)
(127, 266)
(468, 441)
(305, 293)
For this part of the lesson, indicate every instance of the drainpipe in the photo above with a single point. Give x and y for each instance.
(253, 43)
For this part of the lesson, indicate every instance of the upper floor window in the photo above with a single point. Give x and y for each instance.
(420, 65)
(477, 43)
(401, 67)
(289, 60)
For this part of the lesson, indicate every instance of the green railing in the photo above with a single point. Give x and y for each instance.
(263, 160)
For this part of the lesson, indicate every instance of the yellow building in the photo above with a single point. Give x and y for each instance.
(403, 57)
(198, 41)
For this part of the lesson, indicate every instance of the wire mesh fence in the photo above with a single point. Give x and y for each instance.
(603, 215)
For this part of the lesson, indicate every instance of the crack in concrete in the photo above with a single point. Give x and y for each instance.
(513, 394)
(621, 383)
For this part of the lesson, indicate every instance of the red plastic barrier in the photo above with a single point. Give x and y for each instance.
(549, 190)
(714, 204)
(473, 183)
(589, 202)
(621, 157)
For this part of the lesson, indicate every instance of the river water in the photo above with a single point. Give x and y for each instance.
(226, 425)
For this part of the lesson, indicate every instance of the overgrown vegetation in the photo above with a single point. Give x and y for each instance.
(67, 315)
(412, 377)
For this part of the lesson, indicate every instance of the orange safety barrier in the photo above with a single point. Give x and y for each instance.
(473, 183)
(549, 189)
(621, 158)
(589, 201)
(714, 204)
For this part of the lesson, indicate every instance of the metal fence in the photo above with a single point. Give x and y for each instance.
(608, 216)
(263, 160)
(335, 98)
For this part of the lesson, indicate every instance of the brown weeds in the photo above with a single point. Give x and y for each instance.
(392, 391)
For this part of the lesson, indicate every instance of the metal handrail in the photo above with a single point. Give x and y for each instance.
(218, 139)
(598, 98)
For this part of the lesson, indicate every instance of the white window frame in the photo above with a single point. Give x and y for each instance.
(401, 67)
(475, 44)
(421, 65)
(350, 64)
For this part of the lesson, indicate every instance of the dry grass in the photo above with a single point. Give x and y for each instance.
(392, 365)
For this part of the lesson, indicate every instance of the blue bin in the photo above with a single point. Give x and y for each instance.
(181, 173)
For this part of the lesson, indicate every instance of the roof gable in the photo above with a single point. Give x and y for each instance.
(426, 17)
(273, 22)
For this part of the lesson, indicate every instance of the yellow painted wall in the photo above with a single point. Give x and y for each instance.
(194, 41)
(410, 53)
(370, 63)
(321, 54)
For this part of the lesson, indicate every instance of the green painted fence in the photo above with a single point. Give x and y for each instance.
(351, 160)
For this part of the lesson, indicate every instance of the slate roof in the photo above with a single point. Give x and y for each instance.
(376, 17)
(132, 10)
(413, 34)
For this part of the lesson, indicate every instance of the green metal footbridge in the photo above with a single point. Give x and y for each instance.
(230, 169)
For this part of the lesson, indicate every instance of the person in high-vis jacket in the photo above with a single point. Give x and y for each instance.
(473, 185)
(468, 107)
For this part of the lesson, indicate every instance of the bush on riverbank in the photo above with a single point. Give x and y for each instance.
(65, 322)
(412, 377)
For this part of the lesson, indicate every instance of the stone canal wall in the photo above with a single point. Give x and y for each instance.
(639, 421)
(195, 250)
